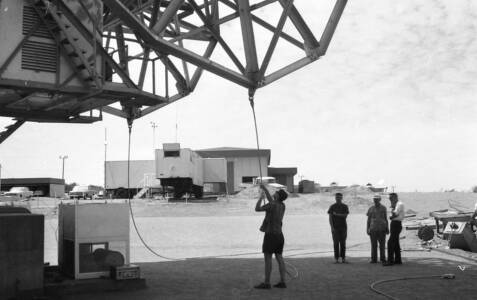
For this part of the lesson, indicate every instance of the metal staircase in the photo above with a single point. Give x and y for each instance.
(148, 183)
(63, 32)
(141, 193)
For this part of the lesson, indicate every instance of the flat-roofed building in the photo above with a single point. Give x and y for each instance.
(47, 187)
(284, 176)
(243, 165)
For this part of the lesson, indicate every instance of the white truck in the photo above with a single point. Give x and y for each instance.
(81, 192)
(20, 192)
(268, 181)
(185, 171)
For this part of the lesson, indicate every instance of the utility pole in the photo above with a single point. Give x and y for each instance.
(105, 151)
(154, 126)
(177, 128)
(0, 178)
(63, 157)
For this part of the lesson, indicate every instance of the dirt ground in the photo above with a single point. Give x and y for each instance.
(222, 244)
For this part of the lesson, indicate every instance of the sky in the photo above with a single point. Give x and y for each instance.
(391, 103)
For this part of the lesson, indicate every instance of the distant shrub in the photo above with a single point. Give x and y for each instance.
(69, 186)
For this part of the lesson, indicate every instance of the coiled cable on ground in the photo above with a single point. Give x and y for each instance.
(373, 285)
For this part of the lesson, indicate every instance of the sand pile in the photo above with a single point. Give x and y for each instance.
(356, 189)
(251, 192)
(359, 201)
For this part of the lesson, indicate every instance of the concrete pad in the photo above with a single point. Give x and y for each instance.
(318, 278)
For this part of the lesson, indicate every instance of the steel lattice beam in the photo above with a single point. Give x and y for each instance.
(10, 129)
(144, 42)
(247, 76)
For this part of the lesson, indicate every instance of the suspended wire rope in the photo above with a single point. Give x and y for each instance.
(251, 96)
(252, 104)
(251, 100)
(130, 206)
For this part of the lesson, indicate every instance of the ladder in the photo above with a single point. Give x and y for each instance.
(62, 31)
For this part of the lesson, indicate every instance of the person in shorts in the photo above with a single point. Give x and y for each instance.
(273, 239)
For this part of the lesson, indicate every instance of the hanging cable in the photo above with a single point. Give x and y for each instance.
(129, 200)
(137, 229)
(129, 156)
(251, 96)
(130, 122)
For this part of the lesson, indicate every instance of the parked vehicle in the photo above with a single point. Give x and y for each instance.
(99, 195)
(81, 192)
(269, 181)
(38, 193)
(20, 191)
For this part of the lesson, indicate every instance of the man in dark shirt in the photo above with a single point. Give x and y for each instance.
(339, 229)
(273, 240)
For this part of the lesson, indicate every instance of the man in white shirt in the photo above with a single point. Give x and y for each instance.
(397, 215)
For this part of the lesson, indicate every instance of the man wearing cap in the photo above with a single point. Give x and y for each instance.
(397, 215)
(273, 240)
(377, 228)
(338, 213)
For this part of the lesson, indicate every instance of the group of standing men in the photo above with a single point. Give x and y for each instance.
(377, 227)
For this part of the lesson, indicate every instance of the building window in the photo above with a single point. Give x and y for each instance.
(171, 153)
(247, 179)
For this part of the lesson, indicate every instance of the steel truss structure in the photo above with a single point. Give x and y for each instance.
(145, 54)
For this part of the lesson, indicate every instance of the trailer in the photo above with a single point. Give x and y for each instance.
(185, 171)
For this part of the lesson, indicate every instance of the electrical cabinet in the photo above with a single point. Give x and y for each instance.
(92, 238)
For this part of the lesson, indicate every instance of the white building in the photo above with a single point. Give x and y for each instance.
(242, 166)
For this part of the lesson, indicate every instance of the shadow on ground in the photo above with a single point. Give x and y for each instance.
(318, 278)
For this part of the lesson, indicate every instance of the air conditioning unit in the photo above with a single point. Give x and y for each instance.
(92, 239)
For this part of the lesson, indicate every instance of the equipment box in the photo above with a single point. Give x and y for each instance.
(92, 238)
(125, 272)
